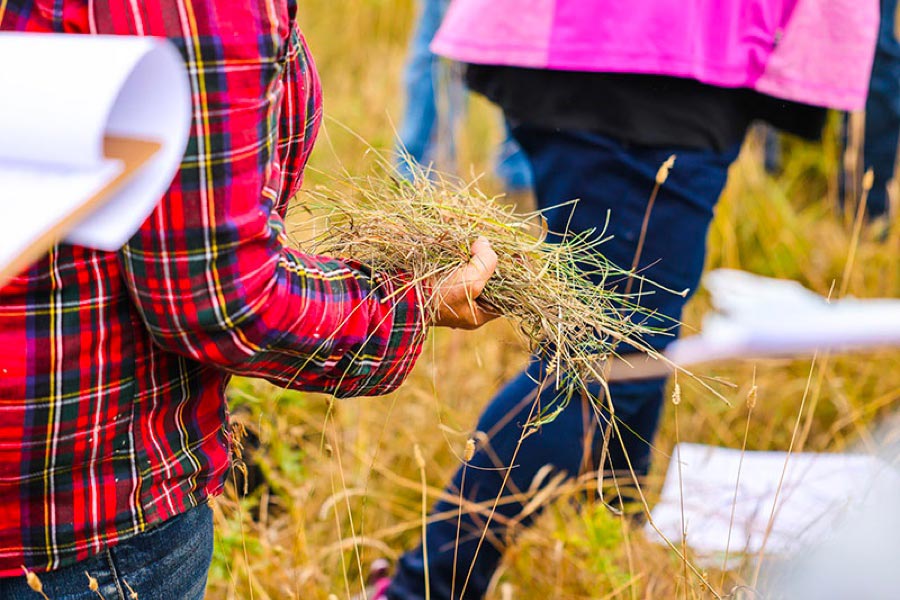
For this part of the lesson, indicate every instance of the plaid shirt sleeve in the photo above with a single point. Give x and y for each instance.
(210, 271)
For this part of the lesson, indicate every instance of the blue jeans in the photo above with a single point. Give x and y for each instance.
(167, 562)
(419, 132)
(606, 175)
(883, 111)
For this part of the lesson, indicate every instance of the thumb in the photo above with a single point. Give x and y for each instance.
(480, 266)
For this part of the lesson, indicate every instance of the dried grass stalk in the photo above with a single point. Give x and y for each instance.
(424, 229)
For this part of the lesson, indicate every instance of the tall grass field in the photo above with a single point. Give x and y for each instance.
(340, 481)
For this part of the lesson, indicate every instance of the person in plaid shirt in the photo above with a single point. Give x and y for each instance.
(113, 424)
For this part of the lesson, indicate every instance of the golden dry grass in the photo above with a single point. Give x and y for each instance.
(344, 485)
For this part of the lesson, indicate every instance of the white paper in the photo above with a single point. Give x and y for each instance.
(858, 561)
(817, 490)
(757, 317)
(153, 103)
(60, 95)
(63, 192)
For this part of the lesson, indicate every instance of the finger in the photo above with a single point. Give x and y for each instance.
(471, 317)
(482, 316)
(480, 267)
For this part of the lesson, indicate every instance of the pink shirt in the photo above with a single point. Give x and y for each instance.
(813, 51)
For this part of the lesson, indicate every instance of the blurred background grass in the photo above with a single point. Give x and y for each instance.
(341, 484)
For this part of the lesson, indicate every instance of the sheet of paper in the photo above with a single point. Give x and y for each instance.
(63, 97)
(58, 93)
(858, 561)
(154, 103)
(816, 491)
(757, 317)
(33, 194)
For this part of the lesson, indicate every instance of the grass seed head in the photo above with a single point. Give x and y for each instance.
(417, 453)
(34, 582)
(93, 584)
(663, 173)
(868, 179)
(470, 450)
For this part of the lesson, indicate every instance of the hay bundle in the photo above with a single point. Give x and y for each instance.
(424, 229)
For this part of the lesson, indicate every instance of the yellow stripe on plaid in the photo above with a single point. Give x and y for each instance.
(204, 139)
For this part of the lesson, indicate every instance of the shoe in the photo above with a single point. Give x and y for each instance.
(379, 589)
(377, 581)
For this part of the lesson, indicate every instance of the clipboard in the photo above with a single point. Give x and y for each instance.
(131, 154)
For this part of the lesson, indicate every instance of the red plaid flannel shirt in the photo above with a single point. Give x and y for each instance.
(113, 365)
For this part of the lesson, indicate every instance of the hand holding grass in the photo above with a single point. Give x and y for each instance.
(456, 296)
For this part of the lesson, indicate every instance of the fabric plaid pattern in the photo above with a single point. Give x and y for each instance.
(113, 365)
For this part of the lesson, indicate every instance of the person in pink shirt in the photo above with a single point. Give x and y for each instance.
(599, 93)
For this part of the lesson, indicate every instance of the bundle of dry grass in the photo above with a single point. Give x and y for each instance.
(424, 229)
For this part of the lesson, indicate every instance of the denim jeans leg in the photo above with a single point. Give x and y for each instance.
(607, 176)
(883, 111)
(512, 166)
(168, 561)
(419, 124)
(171, 560)
(773, 159)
